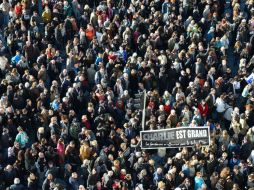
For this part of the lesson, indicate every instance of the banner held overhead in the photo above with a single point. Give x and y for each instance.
(175, 137)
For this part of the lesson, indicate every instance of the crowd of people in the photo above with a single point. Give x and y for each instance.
(70, 73)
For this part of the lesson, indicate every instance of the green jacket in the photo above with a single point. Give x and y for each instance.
(22, 139)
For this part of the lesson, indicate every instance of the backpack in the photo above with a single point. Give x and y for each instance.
(75, 130)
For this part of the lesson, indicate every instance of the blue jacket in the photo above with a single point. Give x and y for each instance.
(233, 163)
(15, 59)
(164, 8)
(198, 182)
(73, 183)
(157, 177)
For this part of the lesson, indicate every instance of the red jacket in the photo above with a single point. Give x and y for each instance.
(203, 109)
(86, 124)
(167, 108)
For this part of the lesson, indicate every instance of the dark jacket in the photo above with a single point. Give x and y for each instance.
(17, 187)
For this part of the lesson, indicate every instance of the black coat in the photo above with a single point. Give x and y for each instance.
(146, 182)
(238, 179)
(9, 177)
(246, 150)
(92, 179)
(17, 187)
(33, 185)
(46, 185)
(211, 166)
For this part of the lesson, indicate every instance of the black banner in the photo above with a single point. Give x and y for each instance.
(175, 137)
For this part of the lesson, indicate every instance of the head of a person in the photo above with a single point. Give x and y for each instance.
(50, 177)
(199, 174)
(16, 181)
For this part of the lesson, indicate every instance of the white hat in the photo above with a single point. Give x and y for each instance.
(110, 173)
(27, 85)
(135, 54)
(125, 75)
(86, 7)
(138, 154)
(178, 155)
(16, 181)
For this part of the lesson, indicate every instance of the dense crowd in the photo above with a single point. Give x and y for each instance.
(70, 73)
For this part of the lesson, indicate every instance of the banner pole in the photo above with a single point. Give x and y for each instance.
(144, 112)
